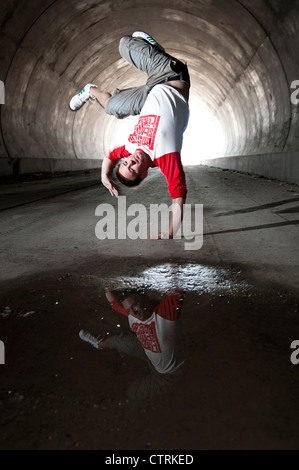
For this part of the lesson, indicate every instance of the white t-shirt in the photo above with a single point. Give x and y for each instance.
(161, 334)
(161, 124)
(161, 340)
(158, 132)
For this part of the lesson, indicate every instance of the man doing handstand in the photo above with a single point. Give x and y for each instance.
(163, 110)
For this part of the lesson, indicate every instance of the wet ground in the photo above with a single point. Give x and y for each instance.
(237, 388)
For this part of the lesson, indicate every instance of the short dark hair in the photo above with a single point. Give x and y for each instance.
(123, 180)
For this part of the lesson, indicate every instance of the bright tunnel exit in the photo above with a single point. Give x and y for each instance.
(204, 137)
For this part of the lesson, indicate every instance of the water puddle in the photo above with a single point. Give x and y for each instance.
(99, 362)
(189, 277)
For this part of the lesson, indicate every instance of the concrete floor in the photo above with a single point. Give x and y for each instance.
(249, 222)
(240, 317)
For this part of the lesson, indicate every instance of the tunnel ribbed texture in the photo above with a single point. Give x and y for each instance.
(242, 57)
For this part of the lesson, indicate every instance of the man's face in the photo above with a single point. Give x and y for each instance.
(133, 307)
(135, 165)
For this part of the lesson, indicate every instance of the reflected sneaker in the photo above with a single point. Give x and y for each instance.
(89, 338)
(78, 100)
(148, 38)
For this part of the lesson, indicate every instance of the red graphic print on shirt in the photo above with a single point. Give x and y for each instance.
(147, 336)
(145, 131)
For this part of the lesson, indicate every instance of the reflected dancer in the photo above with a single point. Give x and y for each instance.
(155, 336)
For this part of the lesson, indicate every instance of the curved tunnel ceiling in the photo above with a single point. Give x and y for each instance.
(242, 57)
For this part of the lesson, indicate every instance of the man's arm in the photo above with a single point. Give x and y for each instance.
(176, 220)
(107, 167)
(172, 168)
(108, 163)
(111, 296)
(115, 303)
(177, 215)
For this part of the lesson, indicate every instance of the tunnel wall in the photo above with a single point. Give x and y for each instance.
(278, 166)
(277, 123)
(242, 56)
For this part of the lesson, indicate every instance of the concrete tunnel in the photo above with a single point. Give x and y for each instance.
(235, 366)
(243, 62)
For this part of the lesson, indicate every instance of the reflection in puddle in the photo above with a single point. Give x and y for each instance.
(155, 336)
(188, 277)
(152, 303)
(197, 351)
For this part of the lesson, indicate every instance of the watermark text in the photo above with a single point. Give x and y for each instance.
(136, 222)
(295, 354)
(152, 459)
(295, 94)
(2, 352)
(2, 92)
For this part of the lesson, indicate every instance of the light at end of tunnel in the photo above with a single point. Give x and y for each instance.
(204, 137)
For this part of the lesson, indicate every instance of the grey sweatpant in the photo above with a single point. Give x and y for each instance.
(151, 385)
(159, 66)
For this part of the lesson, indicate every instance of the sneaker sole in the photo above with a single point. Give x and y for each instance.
(148, 38)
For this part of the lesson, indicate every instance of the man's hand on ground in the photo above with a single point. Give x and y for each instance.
(176, 219)
(112, 188)
(160, 236)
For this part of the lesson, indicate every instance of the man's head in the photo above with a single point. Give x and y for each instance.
(137, 304)
(133, 169)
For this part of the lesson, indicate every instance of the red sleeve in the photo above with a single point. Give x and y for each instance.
(118, 308)
(170, 307)
(172, 168)
(117, 154)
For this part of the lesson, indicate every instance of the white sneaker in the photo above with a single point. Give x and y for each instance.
(89, 338)
(148, 38)
(78, 100)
